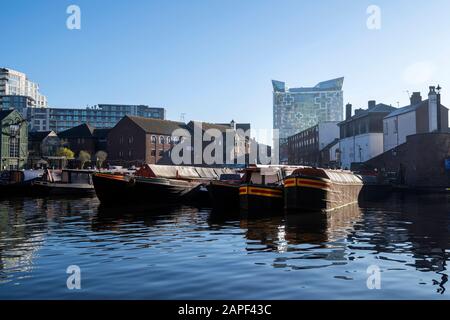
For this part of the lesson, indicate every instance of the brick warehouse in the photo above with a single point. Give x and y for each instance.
(137, 140)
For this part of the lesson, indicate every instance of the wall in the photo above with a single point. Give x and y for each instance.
(395, 135)
(420, 160)
(124, 138)
(360, 148)
(328, 132)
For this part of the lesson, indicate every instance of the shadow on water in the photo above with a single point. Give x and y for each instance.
(108, 218)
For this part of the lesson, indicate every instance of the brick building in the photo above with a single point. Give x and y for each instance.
(84, 138)
(137, 140)
(310, 146)
(421, 162)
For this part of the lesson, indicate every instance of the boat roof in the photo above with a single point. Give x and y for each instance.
(341, 176)
(78, 170)
(187, 172)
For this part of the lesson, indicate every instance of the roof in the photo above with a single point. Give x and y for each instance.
(407, 109)
(151, 125)
(379, 108)
(82, 131)
(207, 126)
(333, 84)
(331, 144)
(101, 133)
(38, 135)
(5, 113)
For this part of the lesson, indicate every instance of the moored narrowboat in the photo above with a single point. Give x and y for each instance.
(153, 184)
(18, 182)
(68, 182)
(224, 193)
(314, 189)
(262, 189)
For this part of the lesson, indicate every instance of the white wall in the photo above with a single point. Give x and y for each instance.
(328, 132)
(333, 156)
(394, 136)
(360, 148)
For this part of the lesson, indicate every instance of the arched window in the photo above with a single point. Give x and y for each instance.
(161, 139)
(153, 139)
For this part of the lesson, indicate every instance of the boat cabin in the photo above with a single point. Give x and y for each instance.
(68, 176)
(19, 176)
(267, 175)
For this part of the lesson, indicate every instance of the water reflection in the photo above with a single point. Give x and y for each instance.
(21, 239)
(408, 236)
(413, 224)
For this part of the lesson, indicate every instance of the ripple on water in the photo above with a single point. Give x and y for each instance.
(186, 253)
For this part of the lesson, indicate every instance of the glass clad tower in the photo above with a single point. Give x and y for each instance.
(297, 109)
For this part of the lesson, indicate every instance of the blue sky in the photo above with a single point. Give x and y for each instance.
(214, 60)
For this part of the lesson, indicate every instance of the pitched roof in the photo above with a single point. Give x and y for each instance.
(207, 126)
(5, 113)
(101, 133)
(82, 131)
(38, 135)
(151, 125)
(379, 108)
(407, 109)
(331, 144)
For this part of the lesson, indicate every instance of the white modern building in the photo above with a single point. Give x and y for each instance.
(421, 116)
(15, 84)
(361, 135)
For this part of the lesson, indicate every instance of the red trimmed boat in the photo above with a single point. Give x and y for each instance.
(224, 193)
(262, 189)
(313, 189)
(153, 185)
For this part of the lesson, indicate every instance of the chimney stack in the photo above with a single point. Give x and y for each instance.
(416, 98)
(433, 109)
(348, 111)
(233, 125)
(439, 124)
(372, 104)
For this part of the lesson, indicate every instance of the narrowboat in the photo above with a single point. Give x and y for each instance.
(224, 193)
(67, 182)
(152, 184)
(18, 182)
(262, 189)
(314, 189)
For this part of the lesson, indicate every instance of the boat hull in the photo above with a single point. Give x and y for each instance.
(224, 195)
(16, 190)
(261, 199)
(42, 188)
(307, 194)
(112, 189)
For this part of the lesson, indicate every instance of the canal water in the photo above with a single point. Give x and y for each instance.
(392, 249)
